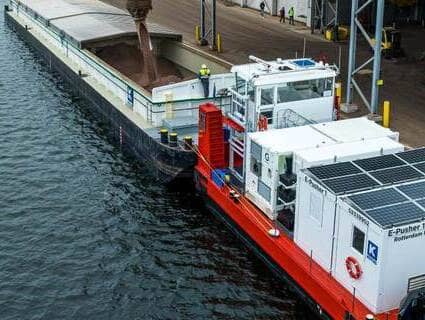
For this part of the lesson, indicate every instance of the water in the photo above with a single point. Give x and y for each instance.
(86, 234)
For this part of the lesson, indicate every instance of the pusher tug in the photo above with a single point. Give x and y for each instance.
(337, 208)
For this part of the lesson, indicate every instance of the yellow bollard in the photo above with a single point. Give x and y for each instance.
(219, 43)
(386, 114)
(198, 33)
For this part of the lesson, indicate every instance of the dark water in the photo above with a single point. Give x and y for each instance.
(86, 234)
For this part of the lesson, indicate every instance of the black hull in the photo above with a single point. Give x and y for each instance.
(168, 164)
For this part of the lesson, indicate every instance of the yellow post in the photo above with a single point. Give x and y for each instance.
(198, 33)
(338, 91)
(219, 43)
(386, 114)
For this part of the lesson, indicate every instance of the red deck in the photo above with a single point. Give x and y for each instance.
(316, 282)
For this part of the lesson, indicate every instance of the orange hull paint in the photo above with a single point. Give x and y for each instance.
(325, 290)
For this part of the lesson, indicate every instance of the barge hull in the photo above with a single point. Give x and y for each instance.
(167, 164)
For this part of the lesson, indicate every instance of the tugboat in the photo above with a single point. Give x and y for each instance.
(334, 207)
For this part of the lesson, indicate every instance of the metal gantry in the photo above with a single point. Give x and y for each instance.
(209, 17)
(325, 14)
(357, 28)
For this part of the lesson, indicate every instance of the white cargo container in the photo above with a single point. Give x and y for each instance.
(353, 212)
(270, 167)
(355, 129)
(345, 152)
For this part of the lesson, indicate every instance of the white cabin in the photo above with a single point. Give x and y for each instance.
(372, 210)
(284, 93)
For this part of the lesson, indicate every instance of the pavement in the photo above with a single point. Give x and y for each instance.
(245, 33)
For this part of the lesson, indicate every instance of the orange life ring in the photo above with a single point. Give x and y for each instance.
(353, 268)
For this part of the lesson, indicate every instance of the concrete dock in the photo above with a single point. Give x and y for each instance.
(244, 32)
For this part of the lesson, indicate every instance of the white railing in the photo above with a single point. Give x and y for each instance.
(238, 107)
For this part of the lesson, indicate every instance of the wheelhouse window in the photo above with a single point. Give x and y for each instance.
(304, 90)
(267, 96)
(240, 85)
(358, 240)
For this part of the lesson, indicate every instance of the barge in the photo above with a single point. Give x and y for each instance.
(95, 48)
(337, 208)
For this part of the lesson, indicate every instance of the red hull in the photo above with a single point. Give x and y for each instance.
(329, 295)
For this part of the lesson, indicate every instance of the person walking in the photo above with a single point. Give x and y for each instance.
(262, 8)
(204, 76)
(282, 15)
(291, 14)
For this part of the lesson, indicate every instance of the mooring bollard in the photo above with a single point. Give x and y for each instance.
(173, 139)
(188, 142)
(164, 136)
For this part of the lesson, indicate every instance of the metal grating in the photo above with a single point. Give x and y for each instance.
(398, 174)
(350, 183)
(397, 214)
(335, 170)
(381, 162)
(416, 283)
(414, 191)
(378, 198)
(413, 156)
(420, 167)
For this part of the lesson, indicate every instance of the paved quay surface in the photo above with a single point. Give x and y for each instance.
(244, 32)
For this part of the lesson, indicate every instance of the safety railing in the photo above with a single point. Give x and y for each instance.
(238, 107)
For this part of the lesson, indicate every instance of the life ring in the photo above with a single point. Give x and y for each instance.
(353, 268)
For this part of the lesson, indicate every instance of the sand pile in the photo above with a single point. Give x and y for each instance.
(128, 60)
(146, 69)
